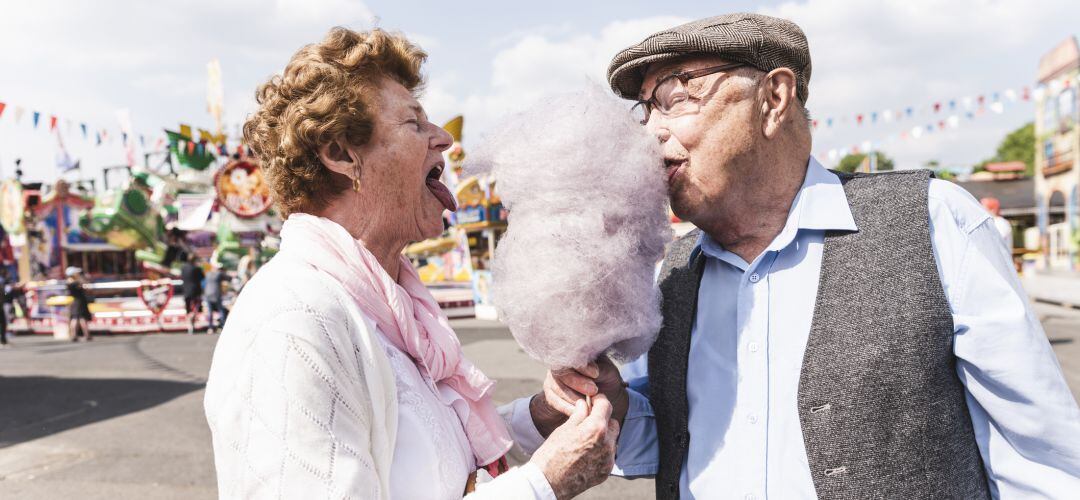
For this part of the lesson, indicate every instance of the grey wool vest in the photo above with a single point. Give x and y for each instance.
(883, 412)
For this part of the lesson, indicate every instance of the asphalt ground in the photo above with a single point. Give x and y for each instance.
(121, 417)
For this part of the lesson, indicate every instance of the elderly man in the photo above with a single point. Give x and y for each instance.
(825, 335)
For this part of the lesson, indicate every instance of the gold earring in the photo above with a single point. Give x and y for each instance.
(356, 178)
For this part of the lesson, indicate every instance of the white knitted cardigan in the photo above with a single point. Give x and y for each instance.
(301, 399)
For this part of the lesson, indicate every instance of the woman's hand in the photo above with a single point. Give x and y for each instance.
(563, 388)
(580, 453)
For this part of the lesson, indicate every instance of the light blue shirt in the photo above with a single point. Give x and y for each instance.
(750, 333)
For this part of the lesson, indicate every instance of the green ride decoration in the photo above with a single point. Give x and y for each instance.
(193, 154)
(125, 218)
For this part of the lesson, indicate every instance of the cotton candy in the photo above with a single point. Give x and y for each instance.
(585, 188)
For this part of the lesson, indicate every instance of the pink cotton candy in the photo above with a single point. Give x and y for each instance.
(584, 183)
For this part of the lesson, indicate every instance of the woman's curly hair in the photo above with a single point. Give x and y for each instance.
(328, 91)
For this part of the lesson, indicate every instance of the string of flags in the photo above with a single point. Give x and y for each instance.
(967, 106)
(97, 136)
(936, 116)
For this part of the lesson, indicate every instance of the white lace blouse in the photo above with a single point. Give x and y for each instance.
(305, 400)
(431, 443)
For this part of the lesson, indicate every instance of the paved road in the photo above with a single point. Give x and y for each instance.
(122, 418)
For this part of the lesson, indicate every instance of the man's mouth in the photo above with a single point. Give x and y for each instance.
(437, 188)
(673, 168)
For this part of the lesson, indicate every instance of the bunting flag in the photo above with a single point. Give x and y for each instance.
(991, 101)
(2, 106)
(83, 127)
(37, 116)
(19, 114)
(52, 123)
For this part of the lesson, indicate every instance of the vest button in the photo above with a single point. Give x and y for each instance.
(671, 486)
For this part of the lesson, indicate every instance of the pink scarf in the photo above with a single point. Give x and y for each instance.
(408, 317)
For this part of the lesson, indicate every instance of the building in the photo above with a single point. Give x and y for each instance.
(1057, 155)
(1014, 192)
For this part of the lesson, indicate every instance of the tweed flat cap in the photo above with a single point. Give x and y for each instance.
(763, 42)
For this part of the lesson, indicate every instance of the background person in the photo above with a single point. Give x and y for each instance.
(1005, 229)
(192, 275)
(79, 309)
(215, 282)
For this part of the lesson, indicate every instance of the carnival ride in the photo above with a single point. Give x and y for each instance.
(131, 240)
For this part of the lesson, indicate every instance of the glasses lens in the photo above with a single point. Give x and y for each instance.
(640, 112)
(669, 93)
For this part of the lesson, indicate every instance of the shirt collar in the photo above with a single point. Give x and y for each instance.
(820, 204)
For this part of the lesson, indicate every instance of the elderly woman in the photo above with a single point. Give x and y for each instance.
(337, 375)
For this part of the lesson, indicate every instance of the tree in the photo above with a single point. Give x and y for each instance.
(853, 162)
(1019, 145)
(939, 171)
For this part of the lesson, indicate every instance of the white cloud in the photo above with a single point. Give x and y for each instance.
(84, 60)
(869, 56)
(536, 64)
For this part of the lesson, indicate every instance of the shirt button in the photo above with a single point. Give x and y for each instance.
(754, 278)
(752, 418)
(753, 347)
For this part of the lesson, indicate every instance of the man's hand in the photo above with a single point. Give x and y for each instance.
(563, 388)
(580, 453)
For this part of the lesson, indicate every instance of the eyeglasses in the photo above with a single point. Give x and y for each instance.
(670, 96)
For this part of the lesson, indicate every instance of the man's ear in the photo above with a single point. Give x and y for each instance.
(780, 95)
(337, 157)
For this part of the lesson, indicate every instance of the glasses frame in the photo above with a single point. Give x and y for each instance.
(684, 77)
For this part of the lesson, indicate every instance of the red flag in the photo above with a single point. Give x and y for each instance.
(858, 118)
(941, 124)
(937, 107)
(1026, 94)
(190, 148)
(52, 123)
(2, 106)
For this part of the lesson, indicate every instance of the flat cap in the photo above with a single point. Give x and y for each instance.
(763, 42)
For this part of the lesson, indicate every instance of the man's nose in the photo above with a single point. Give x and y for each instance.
(658, 129)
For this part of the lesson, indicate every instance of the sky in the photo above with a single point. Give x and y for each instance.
(85, 61)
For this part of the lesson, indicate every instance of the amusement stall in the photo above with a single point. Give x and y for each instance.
(456, 266)
(130, 241)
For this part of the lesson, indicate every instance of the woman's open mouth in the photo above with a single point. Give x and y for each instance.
(437, 188)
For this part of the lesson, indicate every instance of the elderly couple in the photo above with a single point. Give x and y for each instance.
(825, 335)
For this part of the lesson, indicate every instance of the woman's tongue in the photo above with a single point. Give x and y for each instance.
(442, 193)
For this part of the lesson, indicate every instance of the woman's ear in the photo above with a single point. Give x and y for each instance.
(337, 157)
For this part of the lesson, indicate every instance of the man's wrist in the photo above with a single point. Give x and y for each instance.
(620, 405)
(544, 417)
